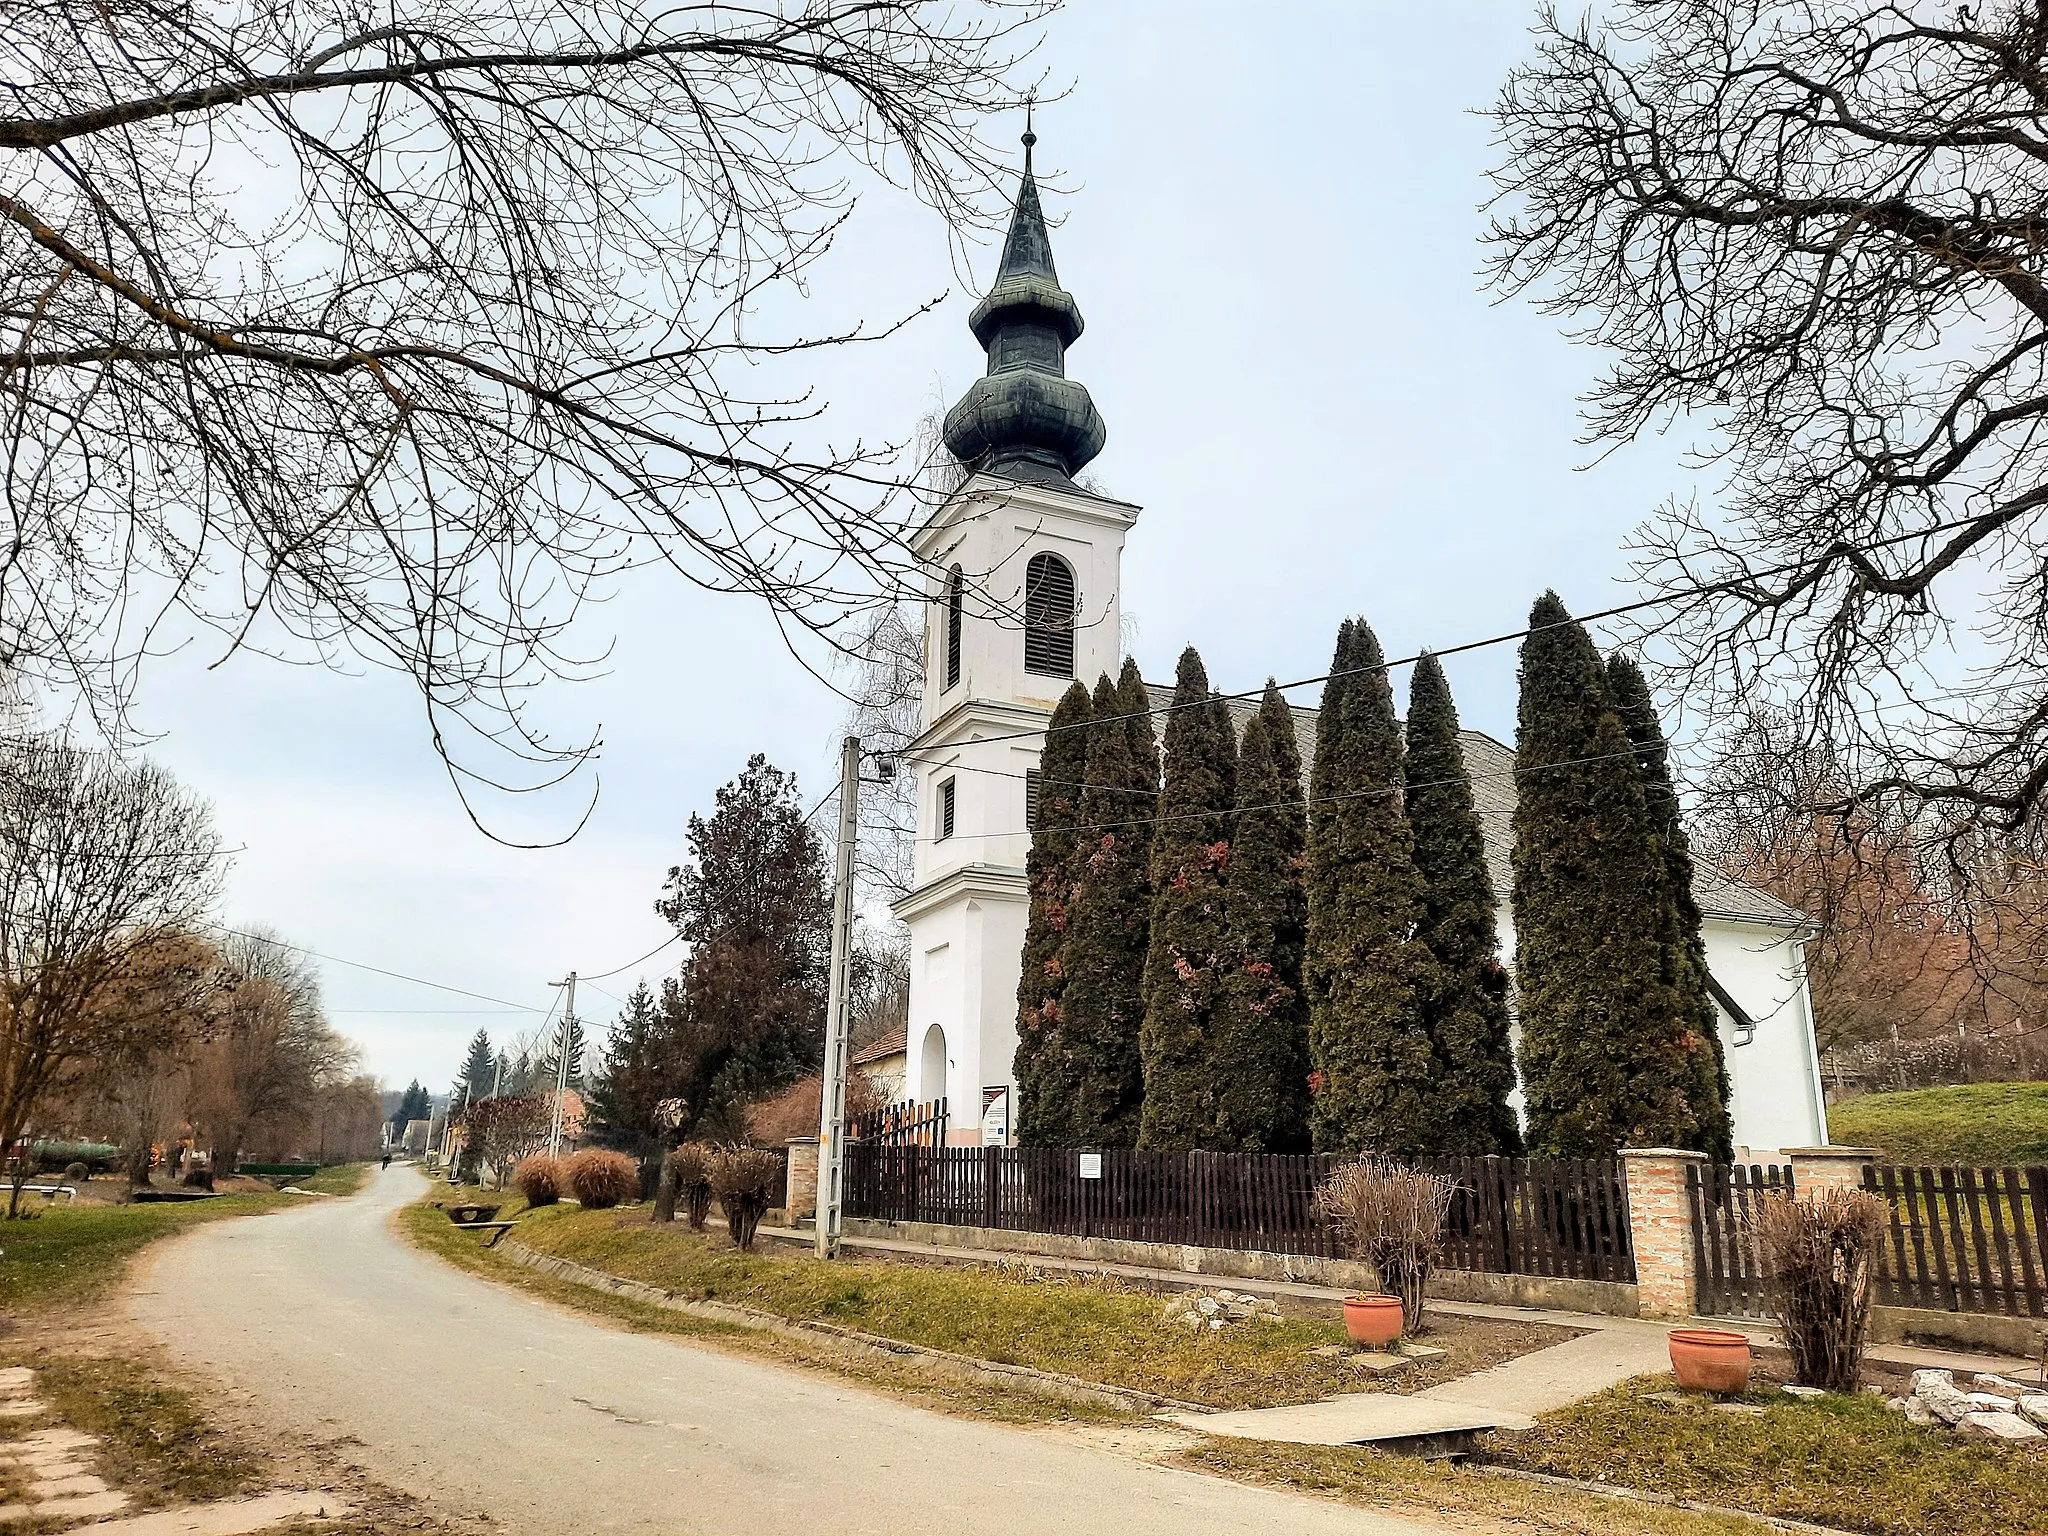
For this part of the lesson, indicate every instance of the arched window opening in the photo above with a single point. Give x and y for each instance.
(956, 603)
(1049, 616)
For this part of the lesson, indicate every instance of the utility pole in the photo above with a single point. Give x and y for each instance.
(832, 1109)
(562, 1064)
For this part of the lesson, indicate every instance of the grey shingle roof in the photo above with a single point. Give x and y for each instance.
(1492, 768)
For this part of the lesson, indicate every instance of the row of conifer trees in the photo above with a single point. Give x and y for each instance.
(1213, 962)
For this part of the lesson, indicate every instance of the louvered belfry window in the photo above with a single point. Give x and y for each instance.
(956, 603)
(1049, 616)
(946, 799)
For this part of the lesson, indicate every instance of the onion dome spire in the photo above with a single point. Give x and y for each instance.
(1025, 418)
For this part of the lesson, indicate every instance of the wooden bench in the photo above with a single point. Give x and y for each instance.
(497, 1229)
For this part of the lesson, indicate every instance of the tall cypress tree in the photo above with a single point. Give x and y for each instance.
(1103, 958)
(1189, 943)
(1607, 1047)
(1365, 970)
(1258, 1042)
(1134, 703)
(1044, 1085)
(1466, 1008)
(1684, 947)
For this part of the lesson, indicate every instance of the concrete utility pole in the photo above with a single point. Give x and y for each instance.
(562, 1064)
(832, 1109)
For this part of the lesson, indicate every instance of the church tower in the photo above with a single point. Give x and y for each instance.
(1024, 569)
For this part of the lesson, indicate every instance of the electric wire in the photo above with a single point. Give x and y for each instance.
(362, 965)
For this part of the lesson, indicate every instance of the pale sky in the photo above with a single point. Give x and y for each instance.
(1272, 230)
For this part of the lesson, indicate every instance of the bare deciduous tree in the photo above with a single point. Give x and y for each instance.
(1820, 227)
(101, 863)
(397, 334)
(261, 1074)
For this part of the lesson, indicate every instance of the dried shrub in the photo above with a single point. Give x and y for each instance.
(539, 1178)
(601, 1179)
(690, 1166)
(1392, 1217)
(746, 1180)
(1819, 1254)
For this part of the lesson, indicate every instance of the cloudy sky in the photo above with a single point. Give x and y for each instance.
(1273, 232)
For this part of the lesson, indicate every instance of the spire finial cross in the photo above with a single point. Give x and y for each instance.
(1030, 138)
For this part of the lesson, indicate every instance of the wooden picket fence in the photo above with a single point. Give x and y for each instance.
(1566, 1218)
(1965, 1239)
(902, 1125)
(1722, 1198)
(1958, 1239)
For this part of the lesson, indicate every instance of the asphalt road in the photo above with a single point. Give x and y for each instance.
(482, 1399)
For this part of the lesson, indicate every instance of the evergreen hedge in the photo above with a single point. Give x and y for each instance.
(1258, 1040)
(1466, 1008)
(1607, 1045)
(1044, 1083)
(1188, 946)
(1683, 945)
(1103, 959)
(1365, 971)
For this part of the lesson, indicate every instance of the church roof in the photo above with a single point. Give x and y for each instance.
(1491, 767)
(1025, 418)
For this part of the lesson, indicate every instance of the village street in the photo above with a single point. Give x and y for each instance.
(484, 1400)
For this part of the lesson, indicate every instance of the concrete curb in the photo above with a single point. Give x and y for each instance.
(1668, 1500)
(1021, 1378)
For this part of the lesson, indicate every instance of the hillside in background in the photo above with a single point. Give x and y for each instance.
(1987, 1124)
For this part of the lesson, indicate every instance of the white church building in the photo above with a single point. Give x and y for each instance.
(1024, 600)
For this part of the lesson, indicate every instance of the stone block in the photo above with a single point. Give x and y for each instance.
(2002, 1426)
(2035, 1406)
(2000, 1386)
(1805, 1392)
(1918, 1412)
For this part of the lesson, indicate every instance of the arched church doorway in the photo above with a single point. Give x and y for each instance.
(931, 1071)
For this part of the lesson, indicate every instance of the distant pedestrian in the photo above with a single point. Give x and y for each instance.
(387, 1159)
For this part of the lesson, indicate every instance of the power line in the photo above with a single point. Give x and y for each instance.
(361, 965)
(1618, 611)
(607, 975)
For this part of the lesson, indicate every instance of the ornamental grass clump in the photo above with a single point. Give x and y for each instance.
(600, 1179)
(1819, 1256)
(690, 1167)
(1392, 1217)
(745, 1180)
(539, 1179)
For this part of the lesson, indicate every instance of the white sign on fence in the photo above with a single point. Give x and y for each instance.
(1091, 1165)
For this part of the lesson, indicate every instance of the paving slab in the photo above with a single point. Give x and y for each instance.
(1356, 1418)
(46, 1488)
(1550, 1378)
(15, 1378)
(89, 1506)
(23, 1408)
(228, 1517)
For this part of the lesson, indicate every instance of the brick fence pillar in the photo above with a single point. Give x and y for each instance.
(1818, 1168)
(800, 1197)
(1660, 1229)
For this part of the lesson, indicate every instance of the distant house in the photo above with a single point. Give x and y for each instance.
(886, 1064)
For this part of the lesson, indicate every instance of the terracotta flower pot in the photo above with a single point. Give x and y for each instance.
(1710, 1360)
(1373, 1320)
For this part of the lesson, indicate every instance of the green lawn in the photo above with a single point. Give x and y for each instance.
(1093, 1327)
(1985, 1124)
(68, 1254)
(341, 1179)
(1846, 1462)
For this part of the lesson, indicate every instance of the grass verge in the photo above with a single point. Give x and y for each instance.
(67, 1255)
(1376, 1478)
(429, 1229)
(1096, 1327)
(156, 1443)
(341, 1179)
(1847, 1462)
(1987, 1124)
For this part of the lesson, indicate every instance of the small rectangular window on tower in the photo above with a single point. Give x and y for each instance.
(945, 810)
(1030, 799)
